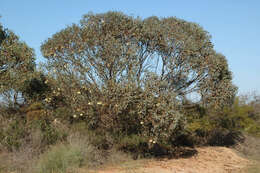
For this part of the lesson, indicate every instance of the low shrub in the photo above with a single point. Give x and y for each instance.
(12, 134)
(223, 127)
(242, 116)
(59, 158)
(134, 144)
(63, 157)
(17, 132)
(50, 133)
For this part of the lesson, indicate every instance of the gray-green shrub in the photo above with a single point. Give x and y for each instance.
(60, 158)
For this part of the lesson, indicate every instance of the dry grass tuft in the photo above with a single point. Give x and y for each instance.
(250, 149)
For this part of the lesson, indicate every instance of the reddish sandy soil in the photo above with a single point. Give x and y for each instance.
(207, 160)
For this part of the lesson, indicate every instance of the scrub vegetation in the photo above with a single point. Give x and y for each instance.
(117, 86)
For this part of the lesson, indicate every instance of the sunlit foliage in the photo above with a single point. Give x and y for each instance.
(16, 65)
(128, 75)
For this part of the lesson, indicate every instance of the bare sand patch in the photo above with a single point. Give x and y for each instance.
(207, 160)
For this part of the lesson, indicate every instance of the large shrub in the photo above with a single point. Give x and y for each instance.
(128, 76)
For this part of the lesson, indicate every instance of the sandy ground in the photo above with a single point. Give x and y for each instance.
(207, 160)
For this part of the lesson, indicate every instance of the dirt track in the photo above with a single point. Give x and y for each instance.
(208, 160)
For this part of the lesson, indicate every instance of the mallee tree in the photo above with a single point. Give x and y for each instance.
(113, 47)
(130, 76)
(16, 65)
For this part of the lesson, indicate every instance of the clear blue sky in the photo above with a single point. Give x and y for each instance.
(233, 24)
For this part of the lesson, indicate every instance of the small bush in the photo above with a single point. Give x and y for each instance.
(222, 127)
(50, 133)
(241, 116)
(17, 132)
(61, 158)
(137, 145)
(12, 134)
(253, 129)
